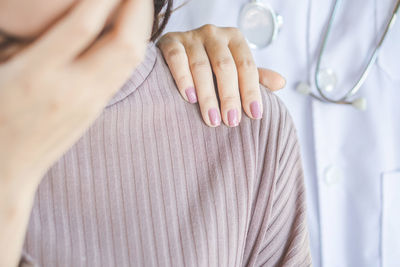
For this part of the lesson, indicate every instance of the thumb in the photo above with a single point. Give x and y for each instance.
(271, 79)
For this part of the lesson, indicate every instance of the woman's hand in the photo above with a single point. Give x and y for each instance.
(194, 56)
(50, 93)
(53, 89)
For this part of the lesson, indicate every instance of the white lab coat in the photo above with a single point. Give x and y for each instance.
(351, 158)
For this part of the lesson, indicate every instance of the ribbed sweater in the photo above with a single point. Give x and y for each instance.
(149, 184)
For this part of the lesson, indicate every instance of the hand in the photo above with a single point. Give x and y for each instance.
(52, 90)
(193, 57)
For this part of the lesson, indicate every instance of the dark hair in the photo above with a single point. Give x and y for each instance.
(161, 19)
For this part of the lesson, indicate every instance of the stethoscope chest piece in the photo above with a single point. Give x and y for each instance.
(327, 79)
(259, 24)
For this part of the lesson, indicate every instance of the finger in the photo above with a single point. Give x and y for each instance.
(248, 76)
(127, 41)
(74, 33)
(175, 55)
(122, 48)
(271, 79)
(227, 81)
(204, 83)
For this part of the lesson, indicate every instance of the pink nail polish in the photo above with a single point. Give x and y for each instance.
(233, 119)
(255, 110)
(214, 116)
(191, 95)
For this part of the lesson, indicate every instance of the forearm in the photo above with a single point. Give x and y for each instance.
(15, 207)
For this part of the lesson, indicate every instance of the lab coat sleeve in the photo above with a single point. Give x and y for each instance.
(283, 238)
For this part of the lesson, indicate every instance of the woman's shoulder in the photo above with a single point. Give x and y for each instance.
(163, 84)
(161, 92)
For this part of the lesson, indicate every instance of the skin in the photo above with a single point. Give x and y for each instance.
(41, 117)
(195, 55)
(192, 57)
(32, 24)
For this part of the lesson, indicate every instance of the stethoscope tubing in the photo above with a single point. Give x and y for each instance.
(345, 99)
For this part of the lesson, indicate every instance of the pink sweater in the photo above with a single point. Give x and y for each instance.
(149, 184)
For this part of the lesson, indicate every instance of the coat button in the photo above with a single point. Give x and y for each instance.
(333, 175)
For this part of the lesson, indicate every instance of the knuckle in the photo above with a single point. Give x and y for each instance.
(191, 37)
(208, 99)
(234, 31)
(173, 54)
(247, 64)
(253, 94)
(237, 37)
(224, 63)
(167, 36)
(166, 39)
(209, 29)
(229, 99)
(200, 65)
(183, 79)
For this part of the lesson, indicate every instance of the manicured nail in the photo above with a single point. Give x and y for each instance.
(191, 95)
(233, 119)
(214, 116)
(255, 110)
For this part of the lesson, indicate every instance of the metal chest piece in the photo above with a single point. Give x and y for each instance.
(259, 24)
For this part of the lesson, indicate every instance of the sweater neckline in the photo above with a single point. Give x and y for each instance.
(138, 76)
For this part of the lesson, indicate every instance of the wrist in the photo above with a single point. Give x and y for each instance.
(15, 205)
(15, 208)
(17, 188)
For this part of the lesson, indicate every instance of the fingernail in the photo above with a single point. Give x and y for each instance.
(214, 116)
(255, 110)
(233, 118)
(191, 95)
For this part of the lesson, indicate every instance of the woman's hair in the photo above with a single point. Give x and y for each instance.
(161, 18)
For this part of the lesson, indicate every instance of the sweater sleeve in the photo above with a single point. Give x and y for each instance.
(283, 236)
(285, 241)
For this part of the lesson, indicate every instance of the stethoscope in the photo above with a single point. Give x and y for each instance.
(260, 25)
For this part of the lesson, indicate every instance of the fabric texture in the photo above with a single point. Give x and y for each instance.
(149, 184)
